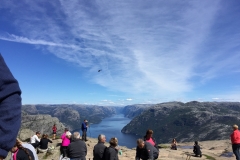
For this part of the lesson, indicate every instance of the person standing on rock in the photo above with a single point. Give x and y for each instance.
(54, 129)
(10, 109)
(235, 138)
(84, 130)
(77, 150)
(146, 151)
(65, 142)
(99, 148)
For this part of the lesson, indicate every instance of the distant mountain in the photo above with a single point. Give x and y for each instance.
(71, 115)
(132, 111)
(187, 121)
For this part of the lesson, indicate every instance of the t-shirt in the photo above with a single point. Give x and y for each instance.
(151, 141)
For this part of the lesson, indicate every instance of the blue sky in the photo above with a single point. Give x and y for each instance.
(148, 51)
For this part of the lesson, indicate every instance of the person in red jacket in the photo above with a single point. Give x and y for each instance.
(54, 129)
(235, 138)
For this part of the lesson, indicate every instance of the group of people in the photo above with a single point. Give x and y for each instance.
(10, 107)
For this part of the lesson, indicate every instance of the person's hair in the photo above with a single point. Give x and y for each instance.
(149, 131)
(113, 142)
(18, 144)
(68, 133)
(174, 140)
(38, 132)
(44, 136)
(100, 137)
(140, 141)
(196, 142)
(76, 135)
(235, 126)
(54, 124)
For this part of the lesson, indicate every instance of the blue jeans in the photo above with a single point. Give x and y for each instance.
(235, 148)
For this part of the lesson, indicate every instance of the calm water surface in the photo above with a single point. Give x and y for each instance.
(111, 127)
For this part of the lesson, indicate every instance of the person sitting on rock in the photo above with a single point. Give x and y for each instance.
(28, 146)
(174, 144)
(149, 138)
(35, 140)
(99, 148)
(66, 136)
(77, 150)
(146, 151)
(21, 153)
(43, 145)
(111, 152)
(197, 150)
(54, 129)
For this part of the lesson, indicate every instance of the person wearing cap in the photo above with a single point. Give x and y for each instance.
(235, 138)
(65, 142)
(84, 130)
(10, 109)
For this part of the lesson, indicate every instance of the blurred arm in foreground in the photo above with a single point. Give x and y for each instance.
(10, 109)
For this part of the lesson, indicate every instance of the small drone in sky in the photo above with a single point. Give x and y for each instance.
(99, 70)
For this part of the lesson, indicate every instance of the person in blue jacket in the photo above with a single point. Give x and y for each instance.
(84, 130)
(10, 109)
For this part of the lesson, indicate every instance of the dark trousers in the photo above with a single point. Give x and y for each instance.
(235, 148)
(35, 145)
(63, 151)
(84, 135)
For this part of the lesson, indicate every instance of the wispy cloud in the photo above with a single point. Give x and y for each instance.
(141, 47)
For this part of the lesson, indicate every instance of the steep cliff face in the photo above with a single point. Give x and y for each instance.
(71, 115)
(43, 123)
(132, 111)
(186, 122)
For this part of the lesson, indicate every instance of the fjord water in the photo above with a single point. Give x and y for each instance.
(111, 127)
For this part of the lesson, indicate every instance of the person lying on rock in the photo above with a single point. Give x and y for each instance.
(197, 150)
(146, 151)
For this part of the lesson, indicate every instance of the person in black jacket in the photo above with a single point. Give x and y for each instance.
(146, 151)
(99, 148)
(43, 145)
(77, 149)
(10, 109)
(197, 150)
(21, 153)
(111, 153)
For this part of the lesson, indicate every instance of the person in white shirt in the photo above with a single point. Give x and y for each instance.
(35, 140)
